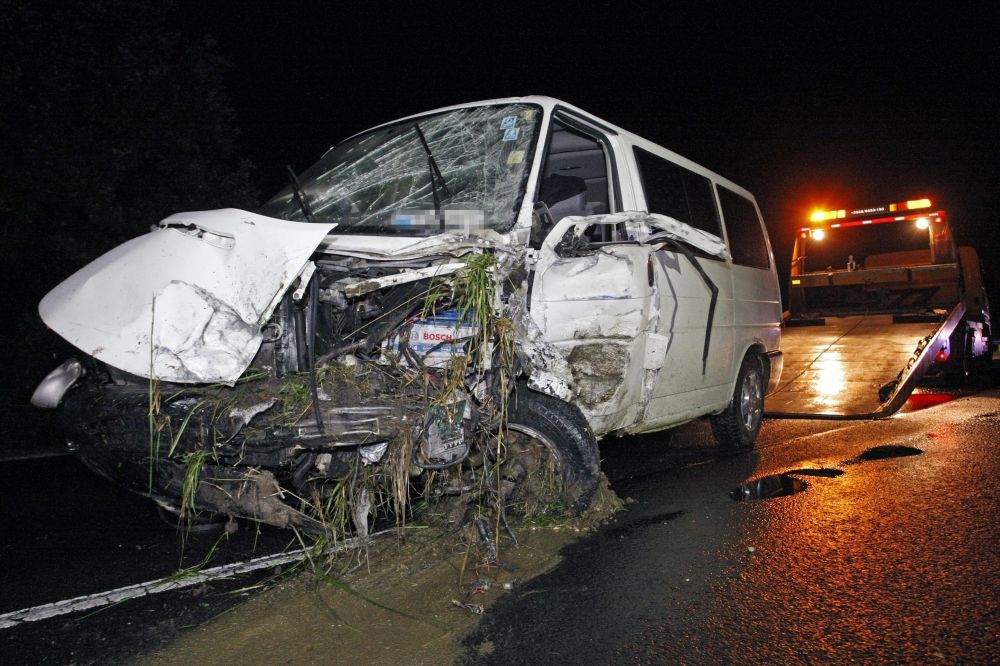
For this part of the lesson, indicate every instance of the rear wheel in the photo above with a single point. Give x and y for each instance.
(737, 426)
(962, 371)
(551, 455)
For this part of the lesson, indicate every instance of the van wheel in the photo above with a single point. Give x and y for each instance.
(737, 426)
(552, 462)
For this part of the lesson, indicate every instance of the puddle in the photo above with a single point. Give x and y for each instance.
(888, 451)
(658, 519)
(776, 485)
(780, 485)
(819, 471)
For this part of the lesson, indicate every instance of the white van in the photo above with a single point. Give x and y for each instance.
(501, 282)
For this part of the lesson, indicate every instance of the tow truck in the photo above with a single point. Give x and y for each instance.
(881, 299)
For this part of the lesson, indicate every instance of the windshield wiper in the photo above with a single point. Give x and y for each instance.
(297, 190)
(436, 178)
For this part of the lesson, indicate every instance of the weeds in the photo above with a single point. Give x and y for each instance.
(194, 463)
(473, 389)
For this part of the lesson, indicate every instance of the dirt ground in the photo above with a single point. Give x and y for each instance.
(421, 592)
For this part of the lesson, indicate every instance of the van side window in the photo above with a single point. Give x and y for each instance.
(746, 236)
(674, 191)
(575, 174)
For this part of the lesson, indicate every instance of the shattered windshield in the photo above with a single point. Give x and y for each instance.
(458, 171)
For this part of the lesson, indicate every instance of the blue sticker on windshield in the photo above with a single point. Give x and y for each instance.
(511, 134)
(508, 122)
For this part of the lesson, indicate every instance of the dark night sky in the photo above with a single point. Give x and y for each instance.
(839, 104)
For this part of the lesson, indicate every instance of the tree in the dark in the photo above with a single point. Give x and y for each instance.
(109, 121)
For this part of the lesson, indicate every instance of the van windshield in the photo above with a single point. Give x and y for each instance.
(458, 171)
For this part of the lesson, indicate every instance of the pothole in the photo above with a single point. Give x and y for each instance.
(885, 452)
(766, 487)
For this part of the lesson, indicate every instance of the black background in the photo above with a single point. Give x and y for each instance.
(832, 105)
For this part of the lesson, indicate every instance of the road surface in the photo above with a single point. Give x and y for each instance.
(890, 559)
(893, 559)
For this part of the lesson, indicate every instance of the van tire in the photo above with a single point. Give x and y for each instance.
(543, 430)
(737, 426)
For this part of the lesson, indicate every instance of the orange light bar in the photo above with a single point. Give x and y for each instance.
(824, 215)
(912, 204)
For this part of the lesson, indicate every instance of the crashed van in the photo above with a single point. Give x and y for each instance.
(461, 302)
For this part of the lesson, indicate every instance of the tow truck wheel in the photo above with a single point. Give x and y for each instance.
(551, 455)
(737, 426)
(962, 373)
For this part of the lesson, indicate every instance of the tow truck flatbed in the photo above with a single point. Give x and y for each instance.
(880, 298)
(837, 369)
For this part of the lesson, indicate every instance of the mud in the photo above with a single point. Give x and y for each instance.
(420, 593)
(598, 370)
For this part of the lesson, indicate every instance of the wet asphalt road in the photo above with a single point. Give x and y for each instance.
(67, 532)
(895, 560)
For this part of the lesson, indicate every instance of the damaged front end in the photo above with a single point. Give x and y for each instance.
(315, 364)
(364, 368)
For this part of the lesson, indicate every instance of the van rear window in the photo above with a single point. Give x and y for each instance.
(746, 236)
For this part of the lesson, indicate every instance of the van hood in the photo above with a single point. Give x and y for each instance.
(187, 301)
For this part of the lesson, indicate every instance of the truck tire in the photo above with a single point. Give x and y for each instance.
(737, 426)
(551, 454)
(963, 373)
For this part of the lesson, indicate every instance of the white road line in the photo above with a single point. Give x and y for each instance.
(45, 611)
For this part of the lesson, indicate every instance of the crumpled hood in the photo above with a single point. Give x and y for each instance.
(409, 247)
(185, 302)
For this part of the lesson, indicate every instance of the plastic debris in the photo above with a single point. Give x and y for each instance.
(478, 609)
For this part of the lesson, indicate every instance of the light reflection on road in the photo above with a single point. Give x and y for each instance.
(831, 380)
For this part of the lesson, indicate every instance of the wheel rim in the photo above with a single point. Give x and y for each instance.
(540, 468)
(751, 400)
(533, 434)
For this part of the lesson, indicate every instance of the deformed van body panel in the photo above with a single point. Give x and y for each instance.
(186, 302)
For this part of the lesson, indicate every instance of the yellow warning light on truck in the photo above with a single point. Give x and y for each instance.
(912, 204)
(824, 215)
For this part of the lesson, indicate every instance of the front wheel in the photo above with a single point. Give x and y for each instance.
(551, 455)
(737, 426)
